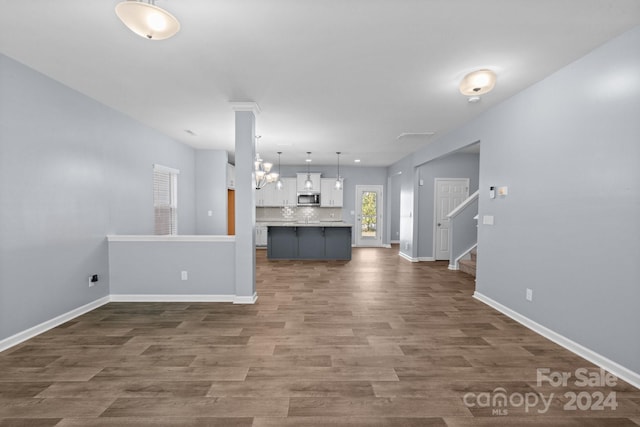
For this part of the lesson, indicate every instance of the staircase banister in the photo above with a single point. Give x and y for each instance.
(464, 204)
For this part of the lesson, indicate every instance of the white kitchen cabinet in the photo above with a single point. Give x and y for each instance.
(231, 176)
(261, 235)
(329, 196)
(315, 179)
(287, 195)
(265, 196)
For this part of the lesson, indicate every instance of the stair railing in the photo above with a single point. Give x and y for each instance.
(463, 230)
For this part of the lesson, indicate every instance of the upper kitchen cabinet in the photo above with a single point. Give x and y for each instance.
(270, 196)
(330, 197)
(231, 176)
(265, 196)
(315, 179)
(287, 195)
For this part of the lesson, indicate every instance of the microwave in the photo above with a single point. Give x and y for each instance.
(308, 199)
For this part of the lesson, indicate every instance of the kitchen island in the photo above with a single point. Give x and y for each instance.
(319, 240)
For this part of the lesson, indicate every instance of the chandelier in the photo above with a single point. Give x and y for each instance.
(262, 170)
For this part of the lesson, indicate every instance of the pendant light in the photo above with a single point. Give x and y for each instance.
(147, 20)
(338, 184)
(308, 184)
(279, 183)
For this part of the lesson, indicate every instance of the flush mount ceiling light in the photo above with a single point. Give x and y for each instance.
(478, 83)
(147, 20)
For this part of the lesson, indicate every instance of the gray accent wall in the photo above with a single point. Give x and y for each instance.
(71, 171)
(567, 148)
(154, 268)
(211, 191)
(458, 165)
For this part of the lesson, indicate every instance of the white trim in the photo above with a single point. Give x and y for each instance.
(426, 258)
(407, 257)
(51, 323)
(245, 106)
(387, 245)
(170, 298)
(170, 238)
(394, 242)
(166, 169)
(245, 299)
(616, 369)
(456, 262)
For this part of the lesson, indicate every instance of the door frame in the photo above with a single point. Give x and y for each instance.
(380, 225)
(435, 210)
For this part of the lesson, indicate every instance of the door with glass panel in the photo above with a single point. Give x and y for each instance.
(369, 207)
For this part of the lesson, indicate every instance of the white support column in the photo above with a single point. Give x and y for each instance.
(245, 120)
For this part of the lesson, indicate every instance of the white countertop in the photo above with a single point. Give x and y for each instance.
(304, 224)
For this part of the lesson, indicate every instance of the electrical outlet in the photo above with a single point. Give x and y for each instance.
(184, 275)
(529, 294)
(93, 279)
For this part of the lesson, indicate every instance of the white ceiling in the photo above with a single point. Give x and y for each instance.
(328, 75)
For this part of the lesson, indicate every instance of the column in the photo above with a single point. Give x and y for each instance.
(245, 121)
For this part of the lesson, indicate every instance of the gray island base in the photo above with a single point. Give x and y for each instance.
(309, 241)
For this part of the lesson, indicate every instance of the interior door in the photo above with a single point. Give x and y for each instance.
(369, 207)
(449, 193)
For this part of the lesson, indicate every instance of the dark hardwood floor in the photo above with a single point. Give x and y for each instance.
(376, 341)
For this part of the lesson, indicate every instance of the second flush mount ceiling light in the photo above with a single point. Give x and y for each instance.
(147, 20)
(478, 83)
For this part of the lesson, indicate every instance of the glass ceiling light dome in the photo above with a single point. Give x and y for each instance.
(478, 83)
(147, 20)
(308, 184)
(338, 184)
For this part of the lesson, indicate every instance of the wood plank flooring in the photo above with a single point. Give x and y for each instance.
(376, 341)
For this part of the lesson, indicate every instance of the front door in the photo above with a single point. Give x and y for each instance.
(449, 194)
(369, 208)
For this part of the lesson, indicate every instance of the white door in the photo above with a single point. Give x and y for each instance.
(449, 194)
(369, 208)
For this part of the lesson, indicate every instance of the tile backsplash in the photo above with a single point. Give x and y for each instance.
(294, 213)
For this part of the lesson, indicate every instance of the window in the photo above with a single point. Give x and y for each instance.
(165, 199)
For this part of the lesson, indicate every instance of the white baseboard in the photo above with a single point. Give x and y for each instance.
(426, 258)
(396, 242)
(597, 359)
(50, 324)
(171, 298)
(407, 257)
(59, 320)
(386, 245)
(453, 267)
(246, 300)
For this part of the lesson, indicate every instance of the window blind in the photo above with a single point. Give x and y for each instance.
(165, 200)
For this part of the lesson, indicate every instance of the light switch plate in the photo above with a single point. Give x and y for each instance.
(487, 219)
